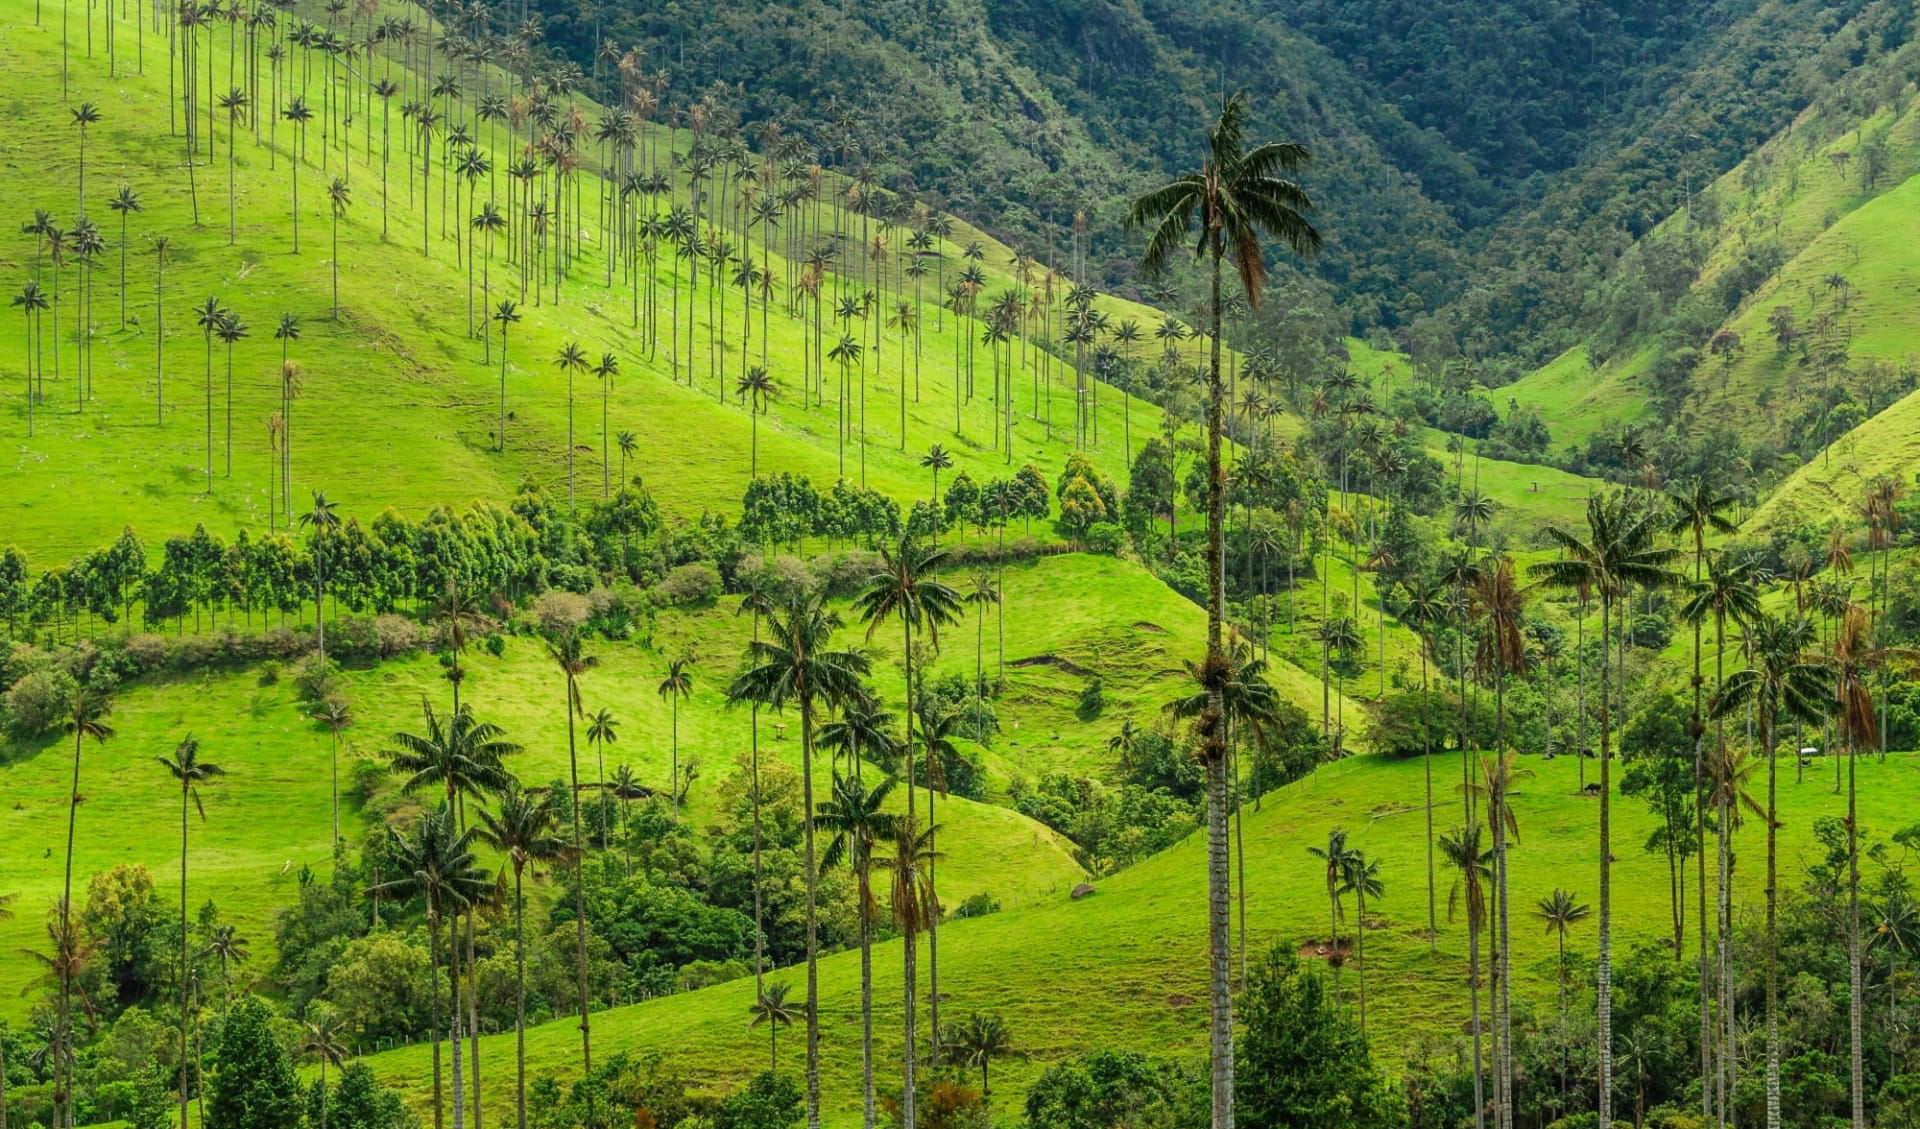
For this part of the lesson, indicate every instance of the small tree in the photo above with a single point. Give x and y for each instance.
(1300, 1062)
(254, 1086)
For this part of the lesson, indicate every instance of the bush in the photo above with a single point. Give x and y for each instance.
(979, 905)
(842, 574)
(37, 700)
(1105, 537)
(695, 583)
(559, 612)
(1093, 699)
(1652, 632)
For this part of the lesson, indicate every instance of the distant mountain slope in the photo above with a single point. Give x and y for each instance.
(1486, 160)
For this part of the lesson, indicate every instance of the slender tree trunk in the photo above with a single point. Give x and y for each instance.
(579, 894)
(519, 1000)
(813, 935)
(1218, 907)
(1604, 990)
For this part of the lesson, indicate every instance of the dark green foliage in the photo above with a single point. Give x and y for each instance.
(1112, 1088)
(1301, 1063)
(253, 1082)
(358, 1101)
(1414, 722)
(769, 1101)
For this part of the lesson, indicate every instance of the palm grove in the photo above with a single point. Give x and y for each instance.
(577, 203)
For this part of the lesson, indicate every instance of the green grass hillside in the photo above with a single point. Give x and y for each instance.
(1126, 966)
(1068, 617)
(398, 404)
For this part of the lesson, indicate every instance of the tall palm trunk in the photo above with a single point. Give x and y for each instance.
(185, 1013)
(433, 1010)
(813, 933)
(1856, 1005)
(1604, 981)
(1773, 934)
(519, 999)
(866, 996)
(1219, 953)
(579, 893)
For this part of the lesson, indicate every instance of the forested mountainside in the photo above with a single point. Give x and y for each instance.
(1487, 162)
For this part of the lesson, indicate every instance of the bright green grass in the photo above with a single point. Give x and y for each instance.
(399, 406)
(1094, 614)
(1126, 967)
(1573, 400)
(1791, 191)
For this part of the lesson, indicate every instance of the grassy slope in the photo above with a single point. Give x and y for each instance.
(1574, 401)
(272, 808)
(398, 406)
(1125, 967)
(1803, 190)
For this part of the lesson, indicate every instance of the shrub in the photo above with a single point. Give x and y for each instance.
(1093, 699)
(693, 583)
(979, 905)
(843, 574)
(37, 700)
(559, 612)
(1105, 537)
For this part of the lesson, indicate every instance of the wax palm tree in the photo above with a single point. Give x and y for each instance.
(1462, 851)
(31, 301)
(489, 223)
(230, 331)
(773, 1011)
(1783, 683)
(977, 1042)
(85, 116)
(1493, 787)
(1425, 607)
(857, 821)
(603, 729)
(524, 832)
(1361, 878)
(568, 652)
(209, 317)
(321, 523)
(571, 361)
(298, 115)
(124, 203)
(339, 200)
(907, 587)
(226, 945)
(506, 313)
(675, 688)
(458, 755)
(862, 732)
(1562, 912)
(796, 664)
(1342, 634)
(85, 719)
(1237, 196)
(1334, 858)
(1855, 661)
(437, 865)
(1620, 552)
(336, 715)
(915, 906)
(320, 1040)
(755, 389)
(936, 459)
(623, 784)
(1693, 513)
(190, 772)
(982, 593)
(607, 368)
